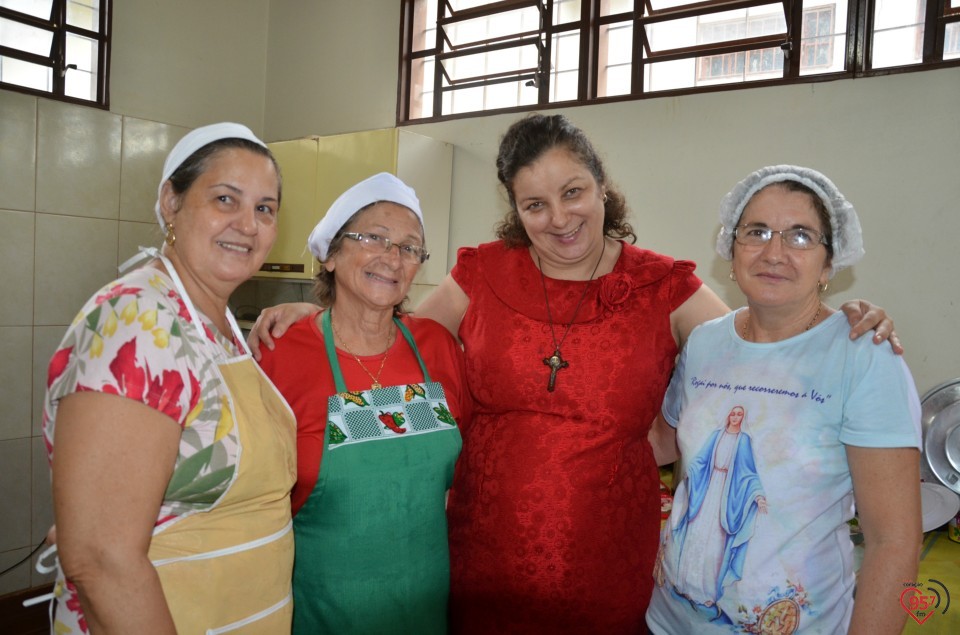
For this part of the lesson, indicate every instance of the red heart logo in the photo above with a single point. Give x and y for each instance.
(916, 604)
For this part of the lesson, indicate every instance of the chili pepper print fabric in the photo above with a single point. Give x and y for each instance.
(385, 412)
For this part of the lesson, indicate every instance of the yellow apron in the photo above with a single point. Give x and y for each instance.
(229, 570)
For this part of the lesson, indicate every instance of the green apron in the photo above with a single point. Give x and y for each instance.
(371, 540)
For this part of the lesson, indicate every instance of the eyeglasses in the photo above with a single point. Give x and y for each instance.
(794, 238)
(377, 244)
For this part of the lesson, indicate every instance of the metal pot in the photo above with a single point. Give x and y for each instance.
(940, 420)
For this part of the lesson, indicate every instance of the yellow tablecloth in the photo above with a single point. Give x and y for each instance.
(939, 569)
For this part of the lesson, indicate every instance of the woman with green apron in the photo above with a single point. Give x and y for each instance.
(378, 395)
(172, 454)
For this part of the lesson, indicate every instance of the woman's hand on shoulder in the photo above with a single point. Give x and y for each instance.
(274, 321)
(864, 316)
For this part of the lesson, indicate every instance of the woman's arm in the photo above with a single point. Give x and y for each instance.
(886, 486)
(663, 438)
(703, 305)
(446, 304)
(274, 322)
(113, 458)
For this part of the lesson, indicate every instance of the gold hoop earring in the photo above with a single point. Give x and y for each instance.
(605, 197)
(732, 275)
(169, 237)
(823, 286)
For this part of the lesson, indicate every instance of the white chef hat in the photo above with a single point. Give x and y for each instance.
(193, 141)
(379, 187)
(847, 240)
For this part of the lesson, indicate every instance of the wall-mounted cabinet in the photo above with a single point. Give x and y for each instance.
(316, 170)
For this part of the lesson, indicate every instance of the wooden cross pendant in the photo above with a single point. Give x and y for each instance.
(555, 362)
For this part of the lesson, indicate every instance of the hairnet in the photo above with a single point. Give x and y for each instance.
(379, 187)
(193, 141)
(847, 240)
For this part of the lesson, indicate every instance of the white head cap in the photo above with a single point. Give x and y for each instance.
(379, 187)
(847, 240)
(193, 141)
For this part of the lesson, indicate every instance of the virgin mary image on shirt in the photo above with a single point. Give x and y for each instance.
(719, 499)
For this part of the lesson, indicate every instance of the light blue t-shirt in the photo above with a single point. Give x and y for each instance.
(758, 533)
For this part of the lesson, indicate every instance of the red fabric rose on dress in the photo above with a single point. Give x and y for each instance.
(615, 290)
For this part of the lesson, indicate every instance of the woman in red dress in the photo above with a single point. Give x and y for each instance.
(570, 335)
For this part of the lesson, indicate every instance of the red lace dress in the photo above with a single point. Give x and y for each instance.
(555, 512)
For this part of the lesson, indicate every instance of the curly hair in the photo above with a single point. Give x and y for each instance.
(525, 141)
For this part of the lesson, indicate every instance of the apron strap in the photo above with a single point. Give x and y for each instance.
(331, 349)
(332, 352)
(142, 254)
(409, 337)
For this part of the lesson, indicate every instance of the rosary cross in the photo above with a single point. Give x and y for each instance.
(555, 362)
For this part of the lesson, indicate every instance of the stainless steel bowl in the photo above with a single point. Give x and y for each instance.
(940, 419)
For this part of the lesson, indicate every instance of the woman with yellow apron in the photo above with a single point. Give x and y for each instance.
(172, 454)
(235, 560)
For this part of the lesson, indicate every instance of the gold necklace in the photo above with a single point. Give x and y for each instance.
(376, 379)
(746, 322)
(556, 361)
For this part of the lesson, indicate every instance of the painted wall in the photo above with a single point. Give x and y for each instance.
(190, 63)
(331, 67)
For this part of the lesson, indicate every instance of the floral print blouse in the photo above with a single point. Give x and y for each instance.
(134, 338)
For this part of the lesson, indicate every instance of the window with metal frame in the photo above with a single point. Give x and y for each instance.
(56, 48)
(461, 57)
(816, 52)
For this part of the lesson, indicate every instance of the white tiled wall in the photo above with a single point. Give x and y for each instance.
(78, 160)
(77, 187)
(16, 372)
(16, 264)
(18, 151)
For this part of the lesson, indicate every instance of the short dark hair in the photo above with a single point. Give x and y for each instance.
(525, 141)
